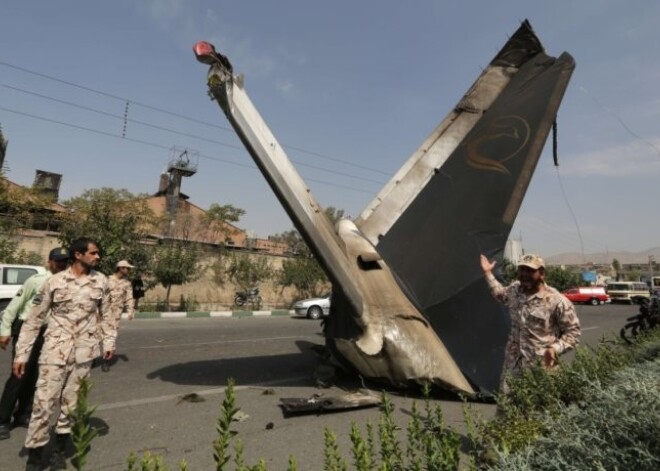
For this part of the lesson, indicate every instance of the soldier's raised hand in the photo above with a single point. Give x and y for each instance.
(486, 265)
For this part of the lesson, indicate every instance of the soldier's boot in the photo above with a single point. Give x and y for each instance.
(58, 458)
(34, 459)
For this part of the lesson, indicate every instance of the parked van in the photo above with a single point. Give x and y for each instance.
(593, 295)
(12, 278)
(655, 283)
(623, 291)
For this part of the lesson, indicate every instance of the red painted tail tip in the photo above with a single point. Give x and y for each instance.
(202, 48)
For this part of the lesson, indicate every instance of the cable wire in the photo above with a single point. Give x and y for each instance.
(160, 146)
(620, 120)
(126, 120)
(180, 116)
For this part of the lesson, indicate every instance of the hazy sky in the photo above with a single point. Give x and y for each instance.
(350, 88)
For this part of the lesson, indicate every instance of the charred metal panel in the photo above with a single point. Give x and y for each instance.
(379, 215)
(467, 208)
(391, 340)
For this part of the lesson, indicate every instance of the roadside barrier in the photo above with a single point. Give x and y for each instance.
(195, 314)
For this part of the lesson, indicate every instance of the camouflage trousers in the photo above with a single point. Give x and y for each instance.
(513, 368)
(115, 319)
(57, 385)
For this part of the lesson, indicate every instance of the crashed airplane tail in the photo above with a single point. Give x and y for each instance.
(459, 194)
(409, 302)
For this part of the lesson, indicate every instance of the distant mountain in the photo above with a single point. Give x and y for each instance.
(574, 258)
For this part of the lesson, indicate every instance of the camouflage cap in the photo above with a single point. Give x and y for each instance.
(532, 261)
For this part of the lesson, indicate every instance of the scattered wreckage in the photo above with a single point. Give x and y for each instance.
(409, 302)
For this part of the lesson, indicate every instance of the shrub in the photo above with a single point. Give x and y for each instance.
(616, 426)
(525, 416)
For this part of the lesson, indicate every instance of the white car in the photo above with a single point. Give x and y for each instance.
(313, 308)
(12, 278)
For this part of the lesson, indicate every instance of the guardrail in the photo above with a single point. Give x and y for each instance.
(204, 314)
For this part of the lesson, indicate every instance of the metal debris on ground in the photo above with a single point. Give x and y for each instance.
(320, 403)
(192, 397)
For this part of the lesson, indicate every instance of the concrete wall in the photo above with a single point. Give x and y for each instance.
(212, 296)
(40, 242)
(208, 294)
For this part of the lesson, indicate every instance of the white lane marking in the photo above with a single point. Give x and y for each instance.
(220, 342)
(205, 392)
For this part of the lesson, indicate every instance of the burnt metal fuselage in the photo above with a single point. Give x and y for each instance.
(409, 301)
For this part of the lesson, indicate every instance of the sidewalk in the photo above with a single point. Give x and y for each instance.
(238, 313)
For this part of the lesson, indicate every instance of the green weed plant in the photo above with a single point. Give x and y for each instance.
(598, 412)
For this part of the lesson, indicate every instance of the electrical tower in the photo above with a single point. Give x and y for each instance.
(182, 163)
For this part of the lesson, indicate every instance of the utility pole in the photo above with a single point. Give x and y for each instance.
(651, 262)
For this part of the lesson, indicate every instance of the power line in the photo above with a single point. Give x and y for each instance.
(570, 210)
(114, 97)
(174, 131)
(543, 227)
(620, 120)
(180, 116)
(230, 162)
(159, 146)
(123, 118)
(539, 224)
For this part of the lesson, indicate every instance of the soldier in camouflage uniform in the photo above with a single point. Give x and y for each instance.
(80, 316)
(19, 392)
(121, 297)
(121, 291)
(543, 322)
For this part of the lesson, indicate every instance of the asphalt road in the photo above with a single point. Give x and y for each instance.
(160, 360)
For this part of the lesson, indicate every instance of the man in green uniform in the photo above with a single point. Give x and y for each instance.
(21, 390)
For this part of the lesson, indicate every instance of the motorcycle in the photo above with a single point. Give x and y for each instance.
(647, 318)
(252, 296)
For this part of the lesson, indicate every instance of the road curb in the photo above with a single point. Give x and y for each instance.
(207, 314)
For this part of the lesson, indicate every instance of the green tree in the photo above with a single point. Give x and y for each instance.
(10, 253)
(509, 270)
(616, 266)
(217, 217)
(562, 279)
(175, 263)
(20, 208)
(294, 240)
(3, 146)
(633, 275)
(247, 271)
(305, 274)
(117, 219)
